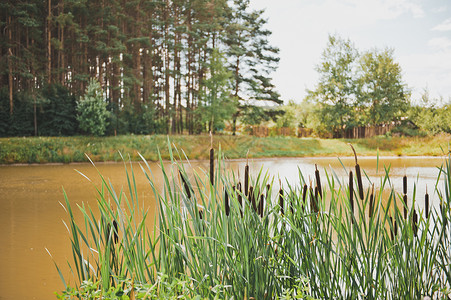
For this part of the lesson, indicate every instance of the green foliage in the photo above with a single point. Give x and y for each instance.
(381, 93)
(57, 113)
(253, 115)
(216, 104)
(296, 245)
(336, 89)
(92, 110)
(358, 90)
(131, 120)
(20, 123)
(431, 115)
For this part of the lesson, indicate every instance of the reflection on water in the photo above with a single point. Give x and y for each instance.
(31, 216)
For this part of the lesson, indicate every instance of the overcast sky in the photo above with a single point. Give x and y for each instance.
(418, 30)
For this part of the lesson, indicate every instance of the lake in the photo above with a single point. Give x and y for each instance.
(31, 214)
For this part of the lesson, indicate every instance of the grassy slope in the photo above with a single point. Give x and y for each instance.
(72, 149)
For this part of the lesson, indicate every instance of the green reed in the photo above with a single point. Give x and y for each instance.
(304, 240)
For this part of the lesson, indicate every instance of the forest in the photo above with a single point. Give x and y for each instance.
(162, 66)
(83, 67)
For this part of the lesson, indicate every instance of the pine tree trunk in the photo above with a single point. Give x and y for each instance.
(49, 39)
(10, 68)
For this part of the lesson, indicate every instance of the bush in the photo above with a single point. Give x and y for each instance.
(92, 110)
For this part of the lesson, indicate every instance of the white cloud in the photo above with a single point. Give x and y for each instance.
(444, 26)
(353, 13)
(440, 9)
(440, 44)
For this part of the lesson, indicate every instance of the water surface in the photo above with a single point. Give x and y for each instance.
(31, 214)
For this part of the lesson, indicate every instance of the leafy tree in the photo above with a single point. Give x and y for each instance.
(217, 103)
(382, 93)
(92, 110)
(430, 115)
(336, 89)
(356, 90)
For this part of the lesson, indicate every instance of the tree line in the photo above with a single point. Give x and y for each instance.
(163, 66)
(358, 89)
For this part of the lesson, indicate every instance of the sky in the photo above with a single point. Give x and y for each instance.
(419, 31)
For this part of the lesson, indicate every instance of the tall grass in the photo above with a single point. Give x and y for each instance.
(320, 239)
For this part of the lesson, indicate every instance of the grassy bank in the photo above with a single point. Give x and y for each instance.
(73, 149)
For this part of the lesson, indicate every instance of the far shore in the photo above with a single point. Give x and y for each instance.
(64, 150)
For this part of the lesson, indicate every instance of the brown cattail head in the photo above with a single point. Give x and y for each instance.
(415, 222)
(212, 166)
(312, 197)
(246, 179)
(318, 181)
(371, 202)
(358, 174)
(201, 214)
(261, 205)
(404, 185)
(226, 202)
(426, 203)
(304, 195)
(240, 198)
(391, 224)
(359, 181)
(185, 185)
(404, 198)
(115, 232)
(281, 201)
(315, 201)
(351, 191)
(252, 198)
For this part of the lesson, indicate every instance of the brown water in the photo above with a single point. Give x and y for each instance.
(31, 215)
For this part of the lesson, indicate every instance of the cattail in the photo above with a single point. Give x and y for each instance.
(415, 222)
(240, 198)
(404, 198)
(281, 201)
(226, 202)
(304, 195)
(391, 230)
(312, 204)
(261, 205)
(371, 202)
(252, 198)
(267, 195)
(246, 175)
(316, 199)
(115, 232)
(358, 174)
(404, 185)
(212, 166)
(201, 214)
(426, 202)
(351, 192)
(318, 182)
(185, 184)
(246, 180)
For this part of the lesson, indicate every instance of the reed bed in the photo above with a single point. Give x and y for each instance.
(219, 236)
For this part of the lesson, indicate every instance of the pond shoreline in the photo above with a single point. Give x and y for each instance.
(64, 150)
(242, 159)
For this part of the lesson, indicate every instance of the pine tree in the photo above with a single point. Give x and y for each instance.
(92, 110)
